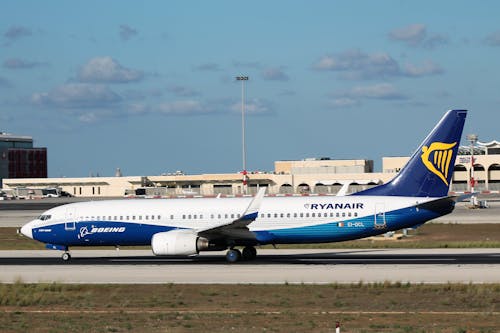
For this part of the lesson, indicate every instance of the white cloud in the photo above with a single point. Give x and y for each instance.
(412, 34)
(355, 64)
(17, 63)
(416, 35)
(107, 70)
(343, 102)
(274, 74)
(428, 68)
(182, 91)
(253, 107)
(377, 91)
(127, 32)
(15, 33)
(77, 95)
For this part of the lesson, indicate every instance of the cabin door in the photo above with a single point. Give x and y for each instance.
(70, 219)
(380, 215)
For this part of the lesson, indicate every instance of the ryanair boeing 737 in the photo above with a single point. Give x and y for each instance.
(417, 194)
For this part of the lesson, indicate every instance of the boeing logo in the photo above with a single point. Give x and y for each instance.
(84, 231)
(349, 205)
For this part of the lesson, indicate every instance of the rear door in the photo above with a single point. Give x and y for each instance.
(379, 216)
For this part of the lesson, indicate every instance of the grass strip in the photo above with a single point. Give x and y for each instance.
(360, 307)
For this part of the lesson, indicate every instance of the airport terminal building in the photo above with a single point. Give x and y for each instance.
(320, 176)
(19, 159)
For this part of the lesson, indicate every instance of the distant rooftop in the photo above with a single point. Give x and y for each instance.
(10, 137)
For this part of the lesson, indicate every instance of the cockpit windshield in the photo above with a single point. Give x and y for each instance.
(44, 217)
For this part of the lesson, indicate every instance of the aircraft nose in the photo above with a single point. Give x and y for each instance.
(26, 230)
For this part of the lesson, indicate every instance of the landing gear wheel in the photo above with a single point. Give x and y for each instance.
(249, 253)
(233, 255)
(66, 256)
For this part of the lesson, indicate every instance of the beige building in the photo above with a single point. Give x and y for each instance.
(309, 176)
(322, 176)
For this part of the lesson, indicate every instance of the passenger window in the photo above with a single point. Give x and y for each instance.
(307, 214)
(275, 215)
(201, 216)
(301, 214)
(325, 215)
(219, 216)
(313, 215)
(147, 217)
(232, 216)
(282, 215)
(128, 217)
(159, 217)
(294, 214)
(338, 214)
(194, 216)
(121, 218)
(133, 217)
(140, 217)
(116, 218)
(343, 214)
(225, 216)
(288, 215)
(268, 215)
(171, 217)
(239, 215)
(349, 214)
(152, 217)
(355, 214)
(183, 216)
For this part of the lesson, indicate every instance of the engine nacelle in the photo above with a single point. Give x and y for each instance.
(178, 243)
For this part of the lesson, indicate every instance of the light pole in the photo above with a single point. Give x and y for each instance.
(243, 145)
(472, 138)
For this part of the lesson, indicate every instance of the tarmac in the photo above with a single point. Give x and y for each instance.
(271, 267)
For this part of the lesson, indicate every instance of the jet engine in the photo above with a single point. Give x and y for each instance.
(177, 243)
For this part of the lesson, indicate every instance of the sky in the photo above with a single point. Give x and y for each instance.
(150, 87)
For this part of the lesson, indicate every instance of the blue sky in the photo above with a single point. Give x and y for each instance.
(150, 87)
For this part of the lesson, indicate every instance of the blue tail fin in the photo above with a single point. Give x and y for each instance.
(429, 170)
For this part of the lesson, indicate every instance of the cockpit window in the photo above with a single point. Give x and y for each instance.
(44, 217)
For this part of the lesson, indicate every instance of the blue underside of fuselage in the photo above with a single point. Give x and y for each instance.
(112, 233)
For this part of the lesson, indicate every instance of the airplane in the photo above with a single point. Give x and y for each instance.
(186, 227)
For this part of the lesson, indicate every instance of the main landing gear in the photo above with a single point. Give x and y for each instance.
(66, 256)
(234, 255)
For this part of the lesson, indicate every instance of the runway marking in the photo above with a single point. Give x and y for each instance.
(151, 260)
(379, 259)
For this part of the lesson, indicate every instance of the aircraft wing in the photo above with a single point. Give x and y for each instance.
(237, 228)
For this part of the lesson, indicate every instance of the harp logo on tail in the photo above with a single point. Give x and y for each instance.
(437, 158)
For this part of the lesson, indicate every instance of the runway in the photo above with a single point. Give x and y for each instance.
(271, 266)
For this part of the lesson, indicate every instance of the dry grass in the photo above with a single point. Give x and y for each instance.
(249, 308)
